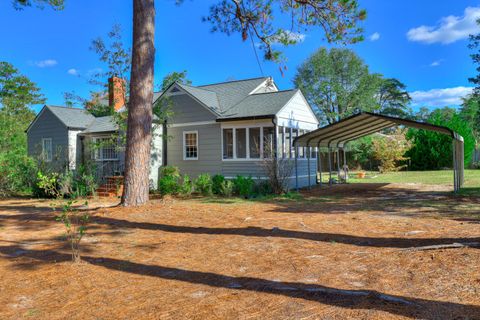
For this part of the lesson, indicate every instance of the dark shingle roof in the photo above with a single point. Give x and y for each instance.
(72, 117)
(261, 104)
(232, 92)
(102, 124)
(207, 97)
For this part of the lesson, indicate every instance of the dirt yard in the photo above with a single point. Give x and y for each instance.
(333, 254)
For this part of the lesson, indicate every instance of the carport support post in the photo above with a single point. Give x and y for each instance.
(455, 166)
(308, 165)
(338, 163)
(330, 165)
(345, 163)
(296, 171)
(319, 156)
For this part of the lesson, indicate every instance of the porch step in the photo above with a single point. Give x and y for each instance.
(113, 187)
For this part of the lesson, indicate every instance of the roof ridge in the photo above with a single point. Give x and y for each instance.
(231, 81)
(195, 87)
(279, 91)
(64, 107)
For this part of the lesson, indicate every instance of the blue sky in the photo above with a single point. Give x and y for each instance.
(422, 43)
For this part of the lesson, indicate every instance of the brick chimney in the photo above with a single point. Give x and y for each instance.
(116, 93)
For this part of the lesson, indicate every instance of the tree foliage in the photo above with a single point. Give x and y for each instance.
(393, 98)
(54, 4)
(337, 83)
(470, 112)
(432, 150)
(258, 20)
(17, 94)
(389, 150)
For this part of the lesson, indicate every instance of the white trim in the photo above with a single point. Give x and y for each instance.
(184, 150)
(189, 124)
(250, 125)
(266, 178)
(262, 85)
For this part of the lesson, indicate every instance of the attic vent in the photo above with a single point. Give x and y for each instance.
(175, 89)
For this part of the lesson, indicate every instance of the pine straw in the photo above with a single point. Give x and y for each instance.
(336, 254)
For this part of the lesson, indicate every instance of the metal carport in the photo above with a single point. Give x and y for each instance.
(335, 136)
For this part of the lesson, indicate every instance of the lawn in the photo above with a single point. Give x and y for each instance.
(439, 177)
(343, 252)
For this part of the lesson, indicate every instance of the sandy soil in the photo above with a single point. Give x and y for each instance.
(230, 259)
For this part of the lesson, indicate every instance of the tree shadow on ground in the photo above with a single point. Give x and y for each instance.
(288, 234)
(350, 299)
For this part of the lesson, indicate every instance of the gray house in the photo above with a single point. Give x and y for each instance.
(225, 128)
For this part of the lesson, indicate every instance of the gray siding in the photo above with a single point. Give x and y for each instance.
(48, 125)
(186, 109)
(209, 150)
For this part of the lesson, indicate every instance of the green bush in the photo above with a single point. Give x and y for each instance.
(226, 188)
(433, 150)
(17, 173)
(48, 185)
(243, 186)
(170, 171)
(203, 184)
(186, 188)
(263, 188)
(217, 181)
(168, 185)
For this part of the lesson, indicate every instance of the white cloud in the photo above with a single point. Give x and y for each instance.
(440, 97)
(73, 72)
(449, 29)
(374, 36)
(288, 35)
(46, 63)
(436, 63)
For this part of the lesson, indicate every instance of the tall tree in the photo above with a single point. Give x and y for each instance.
(250, 18)
(139, 122)
(17, 94)
(338, 83)
(474, 44)
(470, 112)
(393, 98)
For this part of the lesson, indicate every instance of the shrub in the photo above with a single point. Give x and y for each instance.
(226, 188)
(17, 173)
(47, 185)
(203, 184)
(263, 188)
(243, 186)
(389, 151)
(217, 181)
(171, 171)
(186, 188)
(168, 185)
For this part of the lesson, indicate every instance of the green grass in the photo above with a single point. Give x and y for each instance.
(472, 177)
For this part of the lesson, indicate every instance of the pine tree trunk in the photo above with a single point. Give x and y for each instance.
(139, 129)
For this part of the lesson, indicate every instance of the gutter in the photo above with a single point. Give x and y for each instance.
(270, 116)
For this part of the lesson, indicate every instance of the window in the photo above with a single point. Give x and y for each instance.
(190, 145)
(254, 142)
(288, 145)
(241, 143)
(281, 142)
(301, 150)
(268, 142)
(246, 143)
(47, 149)
(104, 149)
(227, 143)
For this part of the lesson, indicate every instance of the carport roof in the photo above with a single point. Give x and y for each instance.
(339, 133)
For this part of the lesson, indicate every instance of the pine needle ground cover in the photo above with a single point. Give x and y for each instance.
(343, 252)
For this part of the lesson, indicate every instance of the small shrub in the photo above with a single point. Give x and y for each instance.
(217, 181)
(226, 188)
(186, 188)
(243, 186)
(47, 185)
(168, 185)
(263, 188)
(171, 171)
(203, 184)
(75, 224)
